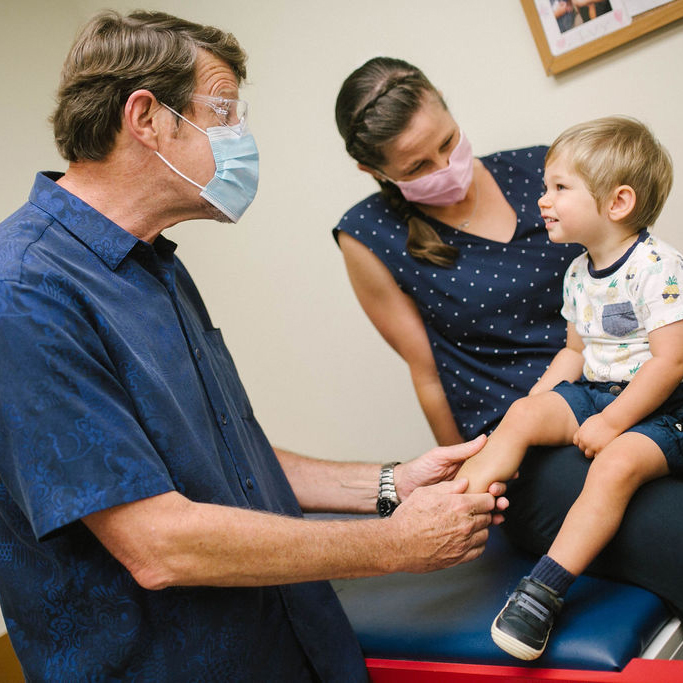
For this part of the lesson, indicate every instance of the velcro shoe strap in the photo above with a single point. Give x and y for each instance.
(540, 594)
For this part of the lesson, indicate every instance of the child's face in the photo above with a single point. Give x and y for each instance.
(569, 210)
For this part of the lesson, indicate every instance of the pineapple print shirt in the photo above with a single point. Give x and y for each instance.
(614, 309)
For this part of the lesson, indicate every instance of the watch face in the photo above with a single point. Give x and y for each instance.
(385, 507)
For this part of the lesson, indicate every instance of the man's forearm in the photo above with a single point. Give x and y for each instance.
(329, 486)
(168, 540)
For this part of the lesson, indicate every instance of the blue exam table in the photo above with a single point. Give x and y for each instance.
(435, 627)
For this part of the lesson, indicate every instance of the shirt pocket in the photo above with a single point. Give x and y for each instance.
(619, 319)
(228, 382)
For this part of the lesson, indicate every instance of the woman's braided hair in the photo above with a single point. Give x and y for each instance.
(375, 104)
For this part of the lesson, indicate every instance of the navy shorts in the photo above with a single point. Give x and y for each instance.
(664, 426)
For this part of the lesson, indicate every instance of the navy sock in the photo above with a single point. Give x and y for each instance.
(553, 575)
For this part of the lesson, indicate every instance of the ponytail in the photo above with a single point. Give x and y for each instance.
(423, 241)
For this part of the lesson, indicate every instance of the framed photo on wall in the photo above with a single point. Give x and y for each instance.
(569, 32)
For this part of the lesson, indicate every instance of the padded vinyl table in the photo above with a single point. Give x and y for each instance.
(435, 627)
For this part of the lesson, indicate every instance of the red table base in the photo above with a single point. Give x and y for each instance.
(636, 671)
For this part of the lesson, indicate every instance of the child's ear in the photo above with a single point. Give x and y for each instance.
(621, 202)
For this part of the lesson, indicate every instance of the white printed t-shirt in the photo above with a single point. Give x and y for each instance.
(614, 309)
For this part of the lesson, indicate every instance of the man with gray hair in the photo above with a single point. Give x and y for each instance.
(149, 531)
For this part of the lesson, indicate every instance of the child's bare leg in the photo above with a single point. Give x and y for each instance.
(617, 472)
(523, 625)
(543, 419)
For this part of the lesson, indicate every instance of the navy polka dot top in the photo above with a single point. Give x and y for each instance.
(493, 318)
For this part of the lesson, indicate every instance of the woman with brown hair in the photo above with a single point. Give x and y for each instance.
(450, 260)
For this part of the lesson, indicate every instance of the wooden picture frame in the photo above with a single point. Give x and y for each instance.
(641, 24)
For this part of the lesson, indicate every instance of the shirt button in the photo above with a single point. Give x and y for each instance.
(224, 419)
(250, 483)
(198, 353)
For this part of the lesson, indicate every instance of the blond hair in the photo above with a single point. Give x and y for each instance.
(618, 150)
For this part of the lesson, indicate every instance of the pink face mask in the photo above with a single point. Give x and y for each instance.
(447, 185)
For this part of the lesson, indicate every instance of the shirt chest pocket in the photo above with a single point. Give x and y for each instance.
(227, 385)
(619, 319)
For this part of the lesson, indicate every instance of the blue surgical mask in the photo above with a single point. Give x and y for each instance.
(233, 186)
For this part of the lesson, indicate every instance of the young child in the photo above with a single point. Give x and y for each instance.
(615, 389)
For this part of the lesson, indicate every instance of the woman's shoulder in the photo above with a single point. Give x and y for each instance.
(532, 158)
(363, 219)
(373, 205)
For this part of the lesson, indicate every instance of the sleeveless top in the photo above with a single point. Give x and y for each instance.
(493, 317)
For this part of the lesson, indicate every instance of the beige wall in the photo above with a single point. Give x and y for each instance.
(320, 378)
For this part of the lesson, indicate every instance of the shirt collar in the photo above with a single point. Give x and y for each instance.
(643, 234)
(102, 236)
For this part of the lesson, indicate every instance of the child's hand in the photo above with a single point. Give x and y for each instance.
(594, 434)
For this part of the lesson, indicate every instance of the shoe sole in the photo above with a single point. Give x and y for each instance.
(513, 646)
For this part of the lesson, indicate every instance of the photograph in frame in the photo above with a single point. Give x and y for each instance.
(569, 24)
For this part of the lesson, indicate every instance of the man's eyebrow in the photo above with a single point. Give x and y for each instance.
(232, 94)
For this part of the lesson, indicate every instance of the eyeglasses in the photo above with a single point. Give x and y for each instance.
(228, 112)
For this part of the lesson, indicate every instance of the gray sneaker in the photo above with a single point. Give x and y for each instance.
(523, 625)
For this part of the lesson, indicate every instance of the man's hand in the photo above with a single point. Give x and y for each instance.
(439, 526)
(441, 464)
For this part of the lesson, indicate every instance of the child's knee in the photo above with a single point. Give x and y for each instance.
(521, 408)
(614, 466)
(525, 412)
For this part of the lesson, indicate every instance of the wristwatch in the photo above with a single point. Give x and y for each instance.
(387, 498)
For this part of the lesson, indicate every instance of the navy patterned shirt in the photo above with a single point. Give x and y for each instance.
(114, 386)
(493, 318)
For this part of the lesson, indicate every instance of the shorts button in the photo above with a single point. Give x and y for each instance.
(615, 390)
